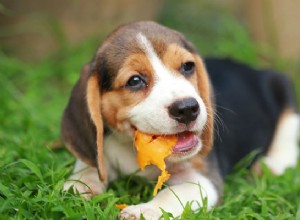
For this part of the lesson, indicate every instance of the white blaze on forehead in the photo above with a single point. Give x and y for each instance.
(146, 45)
(156, 63)
(151, 115)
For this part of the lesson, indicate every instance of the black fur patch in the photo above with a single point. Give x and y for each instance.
(105, 77)
(248, 104)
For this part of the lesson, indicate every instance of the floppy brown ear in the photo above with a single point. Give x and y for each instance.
(94, 107)
(82, 127)
(206, 93)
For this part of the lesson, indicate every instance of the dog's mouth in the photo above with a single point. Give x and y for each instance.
(187, 141)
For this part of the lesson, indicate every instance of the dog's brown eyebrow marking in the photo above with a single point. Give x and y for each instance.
(176, 55)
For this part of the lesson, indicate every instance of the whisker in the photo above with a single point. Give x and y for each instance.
(227, 109)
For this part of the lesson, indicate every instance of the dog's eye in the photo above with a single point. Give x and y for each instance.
(187, 69)
(136, 83)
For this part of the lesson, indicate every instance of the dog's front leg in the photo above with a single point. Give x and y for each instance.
(194, 189)
(85, 180)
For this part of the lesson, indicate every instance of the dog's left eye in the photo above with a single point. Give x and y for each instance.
(187, 69)
(136, 83)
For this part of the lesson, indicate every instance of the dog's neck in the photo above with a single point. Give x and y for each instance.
(120, 157)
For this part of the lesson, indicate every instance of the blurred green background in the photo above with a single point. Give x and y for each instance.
(261, 33)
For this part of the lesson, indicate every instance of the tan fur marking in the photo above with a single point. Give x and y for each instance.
(133, 65)
(175, 56)
(117, 103)
(94, 106)
(205, 91)
(198, 163)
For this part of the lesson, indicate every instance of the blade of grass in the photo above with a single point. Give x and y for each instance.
(34, 168)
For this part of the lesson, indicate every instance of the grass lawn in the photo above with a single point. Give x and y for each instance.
(32, 99)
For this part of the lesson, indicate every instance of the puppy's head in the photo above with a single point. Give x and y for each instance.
(147, 77)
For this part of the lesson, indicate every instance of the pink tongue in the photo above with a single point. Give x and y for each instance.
(186, 141)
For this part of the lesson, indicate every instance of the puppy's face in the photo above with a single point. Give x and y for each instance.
(152, 80)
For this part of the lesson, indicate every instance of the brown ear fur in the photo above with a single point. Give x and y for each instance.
(82, 128)
(206, 92)
(94, 107)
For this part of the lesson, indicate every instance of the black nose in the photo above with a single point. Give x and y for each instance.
(185, 110)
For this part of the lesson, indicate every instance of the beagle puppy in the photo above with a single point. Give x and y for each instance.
(148, 77)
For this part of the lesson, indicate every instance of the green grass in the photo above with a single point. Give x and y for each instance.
(32, 99)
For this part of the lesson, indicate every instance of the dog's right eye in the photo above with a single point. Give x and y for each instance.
(136, 82)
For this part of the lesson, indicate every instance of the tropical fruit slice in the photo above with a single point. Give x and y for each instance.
(153, 149)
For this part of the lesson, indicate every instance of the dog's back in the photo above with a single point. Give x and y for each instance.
(252, 106)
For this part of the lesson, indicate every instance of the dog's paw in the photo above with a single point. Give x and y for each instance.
(134, 212)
